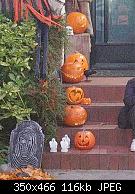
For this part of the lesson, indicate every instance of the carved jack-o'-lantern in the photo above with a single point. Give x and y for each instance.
(86, 101)
(84, 140)
(78, 57)
(74, 95)
(72, 72)
(78, 22)
(75, 115)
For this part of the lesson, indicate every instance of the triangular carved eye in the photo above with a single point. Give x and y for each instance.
(80, 136)
(75, 61)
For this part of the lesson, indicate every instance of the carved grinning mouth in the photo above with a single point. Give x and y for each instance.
(73, 76)
(80, 123)
(82, 145)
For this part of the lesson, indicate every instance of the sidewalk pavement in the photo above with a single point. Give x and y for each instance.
(93, 174)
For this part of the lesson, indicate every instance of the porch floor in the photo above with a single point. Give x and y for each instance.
(108, 81)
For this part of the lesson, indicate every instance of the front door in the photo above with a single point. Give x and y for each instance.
(114, 39)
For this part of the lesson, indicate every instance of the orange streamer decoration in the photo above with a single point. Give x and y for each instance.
(23, 7)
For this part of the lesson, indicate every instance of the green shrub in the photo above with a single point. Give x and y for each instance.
(17, 58)
(17, 43)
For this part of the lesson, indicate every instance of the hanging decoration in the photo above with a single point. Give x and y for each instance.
(42, 12)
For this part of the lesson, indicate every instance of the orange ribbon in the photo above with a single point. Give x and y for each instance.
(20, 5)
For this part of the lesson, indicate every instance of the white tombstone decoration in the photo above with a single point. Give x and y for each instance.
(64, 145)
(69, 30)
(53, 145)
(68, 140)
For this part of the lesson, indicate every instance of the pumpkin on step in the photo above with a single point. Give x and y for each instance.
(78, 21)
(84, 140)
(86, 101)
(75, 115)
(74, 95)
(78, 57)
(72, 72)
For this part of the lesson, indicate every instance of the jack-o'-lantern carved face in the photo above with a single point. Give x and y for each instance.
(72, 72)
(75, 115)
(78, 57)
(84, 140)
(74, 95)
(78, 22)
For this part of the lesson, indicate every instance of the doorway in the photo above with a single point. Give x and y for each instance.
(113, 45)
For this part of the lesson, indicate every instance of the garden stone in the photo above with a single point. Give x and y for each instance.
(26, 145)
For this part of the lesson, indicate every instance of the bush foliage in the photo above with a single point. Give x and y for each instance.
(21, 96)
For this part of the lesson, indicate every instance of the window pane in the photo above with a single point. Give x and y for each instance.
(121, 21)
(99, 21)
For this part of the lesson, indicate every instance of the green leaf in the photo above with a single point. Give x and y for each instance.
(1, 127)
(12, 77)
(2, 96)
(5, 117)
(4, 64)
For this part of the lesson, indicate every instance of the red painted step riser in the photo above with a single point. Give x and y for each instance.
(107, 93)
(89, 162)
(105, 114)
(103, 136)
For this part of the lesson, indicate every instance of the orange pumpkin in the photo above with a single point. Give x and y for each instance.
(75, 115)
(74, 95)
(79, 58)
(72, 72)
(86, 101)
(84, 140)
(78, 21)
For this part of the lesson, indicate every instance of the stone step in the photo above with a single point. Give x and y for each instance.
(100, 157)
(103, 89)
(104, 134)
(103, 112)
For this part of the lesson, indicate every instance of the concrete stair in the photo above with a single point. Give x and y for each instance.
(112, 144)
